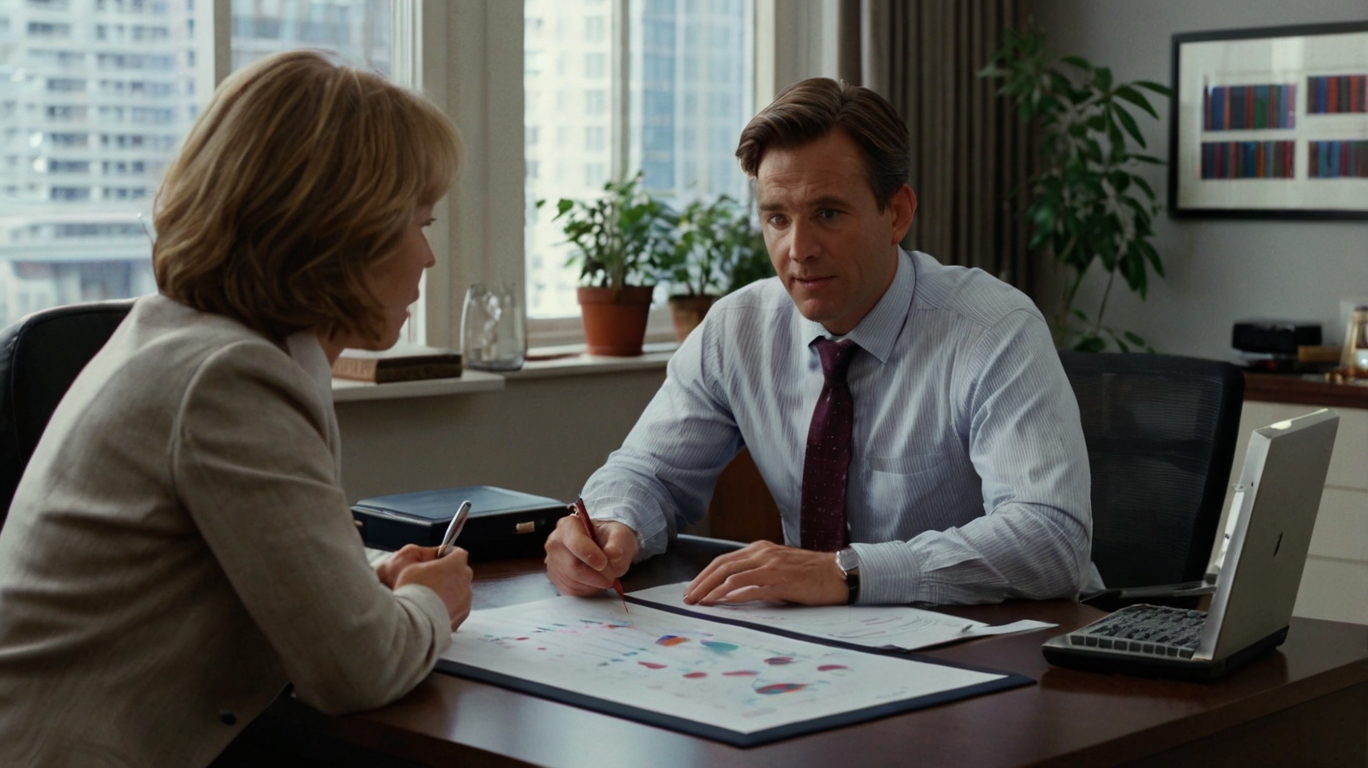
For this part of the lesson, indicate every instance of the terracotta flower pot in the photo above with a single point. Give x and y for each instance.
(687, 312)
(615, 319)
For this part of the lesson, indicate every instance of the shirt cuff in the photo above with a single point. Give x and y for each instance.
(889, 573)
(653, 535)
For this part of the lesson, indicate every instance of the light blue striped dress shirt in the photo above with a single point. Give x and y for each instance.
(969, 476)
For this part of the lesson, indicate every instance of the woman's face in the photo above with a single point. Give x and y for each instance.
(395, 284)
(396, 278)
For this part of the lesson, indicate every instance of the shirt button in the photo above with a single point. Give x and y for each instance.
(227, 717)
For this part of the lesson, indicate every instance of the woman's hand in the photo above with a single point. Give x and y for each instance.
(449, 576)
(389, 569)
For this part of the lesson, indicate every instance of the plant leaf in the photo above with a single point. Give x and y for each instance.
(1141, 183)
(1129, 124)
(1137, 98)
(1103, 77)
(1090, 343)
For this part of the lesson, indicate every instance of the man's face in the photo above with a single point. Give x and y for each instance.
(832, 247)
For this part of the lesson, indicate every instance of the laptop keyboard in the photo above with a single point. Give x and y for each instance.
(1153, 630)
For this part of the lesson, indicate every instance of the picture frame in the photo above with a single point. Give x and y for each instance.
(1270, 123)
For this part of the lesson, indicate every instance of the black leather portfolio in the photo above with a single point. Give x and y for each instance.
(502, 523)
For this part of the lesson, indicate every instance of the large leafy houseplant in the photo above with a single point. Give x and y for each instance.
(717, 250)
(1089, 202)
(619, 240)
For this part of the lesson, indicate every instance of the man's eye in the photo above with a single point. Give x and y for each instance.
(777, 220)
(827, 213)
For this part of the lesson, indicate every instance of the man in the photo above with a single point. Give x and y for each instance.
(916, 410)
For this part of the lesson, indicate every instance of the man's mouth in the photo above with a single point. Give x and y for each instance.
(811, 282)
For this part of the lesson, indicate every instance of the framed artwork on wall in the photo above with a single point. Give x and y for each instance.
(1270, 123)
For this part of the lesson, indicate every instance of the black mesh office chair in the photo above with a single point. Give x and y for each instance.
(1161, 434)
(40, 356)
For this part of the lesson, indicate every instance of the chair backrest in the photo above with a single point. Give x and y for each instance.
(40, 356)
(1161, 433)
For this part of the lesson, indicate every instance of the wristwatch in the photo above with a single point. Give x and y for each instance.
(848, 560)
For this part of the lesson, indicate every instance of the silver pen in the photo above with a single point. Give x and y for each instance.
(453, 530)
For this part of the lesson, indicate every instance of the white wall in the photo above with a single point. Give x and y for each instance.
(542, 436)
(1219, 271)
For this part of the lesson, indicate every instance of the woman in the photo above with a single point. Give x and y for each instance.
(180, 547)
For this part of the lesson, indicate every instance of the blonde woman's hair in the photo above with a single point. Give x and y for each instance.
(300, 177)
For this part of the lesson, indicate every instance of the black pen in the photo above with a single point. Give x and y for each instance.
(453, 530)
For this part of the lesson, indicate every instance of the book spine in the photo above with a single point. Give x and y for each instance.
(354, 368)
(417, 372)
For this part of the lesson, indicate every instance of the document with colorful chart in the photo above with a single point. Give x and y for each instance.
(875, 626)
(730, 683)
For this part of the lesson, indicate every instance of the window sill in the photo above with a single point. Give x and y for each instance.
(560, 361)
(572, 360)
(348, 391)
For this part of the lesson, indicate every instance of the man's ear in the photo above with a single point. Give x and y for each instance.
(904, 206)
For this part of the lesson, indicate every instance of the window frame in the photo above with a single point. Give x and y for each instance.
(467, 57)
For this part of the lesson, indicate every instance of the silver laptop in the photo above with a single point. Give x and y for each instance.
(1275, 506)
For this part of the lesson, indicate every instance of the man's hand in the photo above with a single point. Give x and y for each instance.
(577, 567)
(449, 577)
(768, 571)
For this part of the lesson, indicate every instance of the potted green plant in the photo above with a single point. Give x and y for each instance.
(619, 240)
(1090, 203)
(717, 250)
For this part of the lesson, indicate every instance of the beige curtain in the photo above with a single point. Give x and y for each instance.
(970, 154)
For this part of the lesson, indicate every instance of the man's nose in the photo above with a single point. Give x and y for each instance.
(803, 244)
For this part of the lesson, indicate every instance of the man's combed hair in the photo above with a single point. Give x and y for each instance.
(300, 177)
(810, 109)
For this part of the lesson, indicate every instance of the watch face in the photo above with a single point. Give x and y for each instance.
(847, 560)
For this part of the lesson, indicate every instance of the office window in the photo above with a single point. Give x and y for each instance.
(95, 97)
(677, 149)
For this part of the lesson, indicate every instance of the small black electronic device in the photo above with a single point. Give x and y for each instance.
(1274, 337)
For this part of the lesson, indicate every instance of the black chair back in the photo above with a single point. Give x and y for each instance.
(40, 356)
(1161, 433)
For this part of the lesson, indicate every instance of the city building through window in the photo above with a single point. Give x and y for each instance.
(686, 67)
(95, 98)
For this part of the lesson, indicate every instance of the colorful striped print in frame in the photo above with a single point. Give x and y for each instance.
(1249, 107)
(1248, 159)
(1338, 160)
(1336, 94)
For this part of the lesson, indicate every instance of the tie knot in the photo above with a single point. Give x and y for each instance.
(836, 357)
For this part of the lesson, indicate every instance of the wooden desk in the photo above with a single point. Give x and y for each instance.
(1307, 704)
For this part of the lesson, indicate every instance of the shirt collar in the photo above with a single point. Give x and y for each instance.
(304, 348)
(879, 329)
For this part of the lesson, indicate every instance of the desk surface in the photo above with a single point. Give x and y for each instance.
(1320, 674)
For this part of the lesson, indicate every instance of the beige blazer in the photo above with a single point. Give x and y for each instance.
(180, 547)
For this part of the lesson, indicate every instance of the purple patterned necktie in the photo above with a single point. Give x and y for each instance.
(822, 525)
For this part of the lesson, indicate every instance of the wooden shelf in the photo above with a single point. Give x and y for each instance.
(1306, 389)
